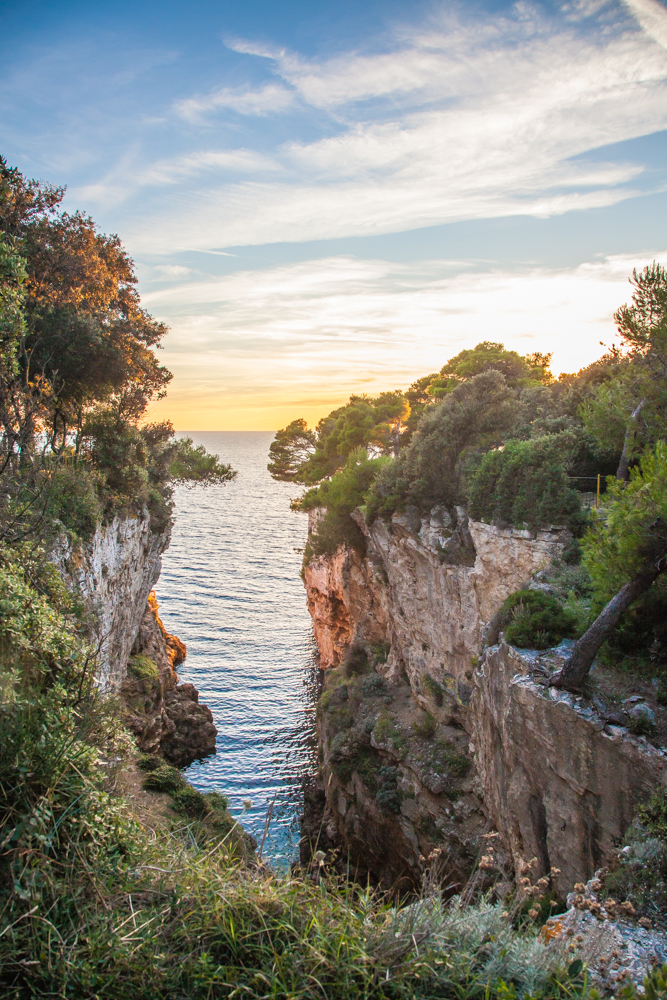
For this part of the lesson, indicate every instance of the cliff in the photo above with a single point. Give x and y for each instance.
(114, 573)
(560, 782)
(473, 736)
(165, 716)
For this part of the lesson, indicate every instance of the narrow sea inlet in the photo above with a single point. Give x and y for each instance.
(230, 589)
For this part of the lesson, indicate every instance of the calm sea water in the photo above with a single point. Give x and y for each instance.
(230, 589)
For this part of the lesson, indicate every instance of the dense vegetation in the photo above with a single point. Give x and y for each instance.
(78, 370)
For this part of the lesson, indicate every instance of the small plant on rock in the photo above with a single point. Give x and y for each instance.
(425, 726)
(532, 619)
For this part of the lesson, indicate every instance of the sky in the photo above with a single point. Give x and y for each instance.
(335, 198)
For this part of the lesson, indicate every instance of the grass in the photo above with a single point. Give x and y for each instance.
(143, 668)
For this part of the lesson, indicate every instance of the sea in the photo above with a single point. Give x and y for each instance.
(230, 589)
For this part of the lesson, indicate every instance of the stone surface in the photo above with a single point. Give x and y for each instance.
(560, 778)
(616, 951)
(560, 784)
(397, 785)
(165, 716)
(114, 572)
(433, 613)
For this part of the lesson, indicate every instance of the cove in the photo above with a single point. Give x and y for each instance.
(230, 589)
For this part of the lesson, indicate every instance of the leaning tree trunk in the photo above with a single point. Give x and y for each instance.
(585, 649)
(630, 432)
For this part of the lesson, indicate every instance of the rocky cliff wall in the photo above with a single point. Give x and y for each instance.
(547, 770)
(428, 590)
(165, 716)
(559, 782)
(114, 572)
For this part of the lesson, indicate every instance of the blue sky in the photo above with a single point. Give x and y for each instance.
(338, 197)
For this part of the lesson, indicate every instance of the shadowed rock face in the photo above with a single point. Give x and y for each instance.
(560, 783)
(165, 716)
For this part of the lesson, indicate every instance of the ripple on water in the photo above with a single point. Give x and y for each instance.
(230, 589)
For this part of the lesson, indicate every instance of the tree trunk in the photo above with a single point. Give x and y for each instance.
(624, 464)
(585, 649)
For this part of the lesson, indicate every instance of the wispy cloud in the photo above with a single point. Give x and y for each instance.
(455, 120)
(323, 320)
(314, 332)
(267, 100)
(653, 18)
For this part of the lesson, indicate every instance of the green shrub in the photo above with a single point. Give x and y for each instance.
(356, 661)
(447, 759)
(532, 619)
(525, 484)
(425, 726)
(217, 801)
(73, 498)
(641, 725)
(387, 796)
(164, 778)
(149, 761)
(653, 815)
(639, 640)
(373, 686)
(381, 651)
(433, 469)
(340, 495)
(640, 872)
(143, 668)
(386, 731)
(190, 802)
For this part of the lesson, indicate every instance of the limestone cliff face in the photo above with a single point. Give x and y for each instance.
(557, 781)
(114, 573)
(427, 589)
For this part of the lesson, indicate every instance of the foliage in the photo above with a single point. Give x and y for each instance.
(387, 795)
(425, 726)
(95, 905)
(639, 641)
(630, 411)
(77, 371)
(432, 469)
(339, 496)
(434, 689)
(640, 870)
(194, 466)
(290, 450)
(366, 422)
(143, 667)
(525, 484)
(356, 660)
(631, 528)
(532, 619)
(489, 356)
(12, 293)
